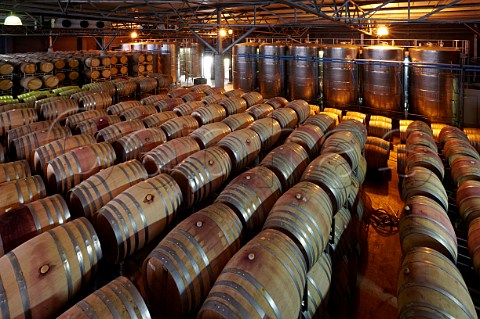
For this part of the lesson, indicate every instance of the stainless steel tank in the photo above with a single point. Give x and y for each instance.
(190, 60)
(382, 77)
(434, 85)
(303, 72)
(271, 69)
(169, 59)
(340, 75)
(244, 68)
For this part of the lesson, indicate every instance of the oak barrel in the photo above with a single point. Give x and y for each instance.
(319, 278)
(14, 170)
(304, 213)
(121, 106)
(308, 136)
(183, 267)
(210, 134)
(115, 131)
(269, 131)
(265, 279)
(252, 98)
(234, 105)
(90, 195)
(73, 120)
(42, 275)
(117, 299)
(15, 118)
(302, 108)
(344, 143)
(277, 102)
(29, 220)
(251, 195)
(468, 200)
(214, 99)
(31, 83)
(152, 99)
(136, 144)
(168, 104)
(243, 146)
(260, 111)
(157, 119)
(187, 108)
(58, 110)
(423, 156)
(28, 128)
(137, 216)
(92, 126)
(210, 114)
(422, 181)
(138, 112)
(96, 101)
(474, 244)
(238, 121)
(179, 126)
(166, 156)
(202, 173)
(287, 161)
(21, 191)
(286, 117)
(71, 168)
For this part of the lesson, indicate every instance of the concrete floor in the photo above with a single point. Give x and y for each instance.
(376, 296)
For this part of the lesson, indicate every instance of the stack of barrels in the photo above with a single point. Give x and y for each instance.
(429, 282)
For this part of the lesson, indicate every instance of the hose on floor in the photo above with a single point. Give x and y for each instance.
(384, 222)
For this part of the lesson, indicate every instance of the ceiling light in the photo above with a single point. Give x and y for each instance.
(12, 20)
(382, 30)
(222, 32)
(230, 31)
(134, 35)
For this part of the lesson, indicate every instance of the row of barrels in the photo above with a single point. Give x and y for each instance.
(149, 198)
(429, 283)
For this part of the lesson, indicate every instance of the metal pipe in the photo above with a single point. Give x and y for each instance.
(219, 67)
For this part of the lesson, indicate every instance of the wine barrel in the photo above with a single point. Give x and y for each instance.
(269, 131)
(72, 120)
(234, 105)
(319, 278)
(332, 173)
(59, 63)
(115, 131)
(179, 126)
(117, 299)
(245, 290)
(301, 108)
(23, 147)
(183, 267)
(5, 84)
(92, 126)
(96, 101)
(451, 132)
(474, 244)
(424, 223)
(89, 196)
(309, 137)
(6, 68)
(252, 98)
(15, 193)
(28, 128)
(251, 195)
(152, 99)
(430, 286)
(214, 99)
(338, 112)
(157, 119)
(165, 157)
(455, 148)
(125, 88)
(73, 75)
(377, 153)
(210, 134)
(163, 80)
(422, 181)
(287, 161)
(215, 90)
(277, 102)
(71, 168)
(425, 157)
(401, 160)
(187, 108)
(118, 108)
(286, 117)
(137, 216)
(31, 83)
(380, 126)
(354, 118)
(333, 116)
(59, 110)
(356, 128)
(138, 57)
(92, 62)
(473, 135)
(465, 169)
(43, 154)
(418, 138)
(193, 97)
(14, 170)
(178, 92)
(418, 126)
(15, 118)
(344, 143)
(243, 146)
(136, 144)
(200, 87)
(138, 112)
(42, 275)
(210, 114)
(27, 221)
(50, 81)
(238, 121)
(168, 104)
(201, 174)
(304, 213)
(260, 111)
(72, 62)
(468, 200)
(234, 93)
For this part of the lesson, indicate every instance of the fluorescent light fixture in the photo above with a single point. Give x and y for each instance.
(12, 20)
